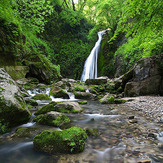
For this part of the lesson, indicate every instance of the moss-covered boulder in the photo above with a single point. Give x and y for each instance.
(24, 132)
(97, 89)
(79, 88)
(46, 108)
(68, 107)
(63, 107)
(111, 99)
(41, 97)
(83, 95)
(82, 102)
(13, 108)
(57, 92)
(71, 140)
(4, 127)
(52, 119)
(31, 102)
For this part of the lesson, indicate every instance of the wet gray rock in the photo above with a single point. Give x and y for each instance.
(145, 78)
(13, 108)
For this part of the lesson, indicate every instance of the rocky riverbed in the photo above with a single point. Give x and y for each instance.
(150, 106)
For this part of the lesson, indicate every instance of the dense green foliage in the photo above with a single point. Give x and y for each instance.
(142, 23)
(65, 31)
(3, 128)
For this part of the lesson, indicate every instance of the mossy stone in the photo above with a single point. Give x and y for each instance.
(79, 88)
(119, 101)
(57, 92)
(82, 102)
(71, 140)
(50, 120)
(32, 102)
(111, 100)
(3, 128)
(68, 107)
(24, 132)
(42, 97)
(12, 114)
(82, 95)
(46, 108)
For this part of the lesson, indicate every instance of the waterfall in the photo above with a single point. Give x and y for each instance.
(90, 66)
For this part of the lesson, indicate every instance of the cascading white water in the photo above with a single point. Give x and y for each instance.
(90, 66)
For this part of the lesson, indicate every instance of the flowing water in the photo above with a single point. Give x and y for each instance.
(90, 66)
(118, 141)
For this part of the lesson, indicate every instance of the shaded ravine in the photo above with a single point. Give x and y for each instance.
(118, 139)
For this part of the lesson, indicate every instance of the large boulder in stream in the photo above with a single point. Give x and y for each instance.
(42, 97)
(71, 140)
(63, 107)
(68, 107)
(57, 92)
(13, 108)
(52, 119)
(146, 77)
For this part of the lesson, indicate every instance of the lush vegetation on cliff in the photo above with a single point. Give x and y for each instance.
(65, 31)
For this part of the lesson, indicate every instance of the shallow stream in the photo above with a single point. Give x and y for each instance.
(119, 139)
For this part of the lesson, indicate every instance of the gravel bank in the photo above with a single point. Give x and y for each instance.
(151, 106)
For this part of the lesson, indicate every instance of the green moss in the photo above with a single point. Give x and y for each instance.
(100, 96)
(33, 103)
(97, 89)
(45, 109)
(27, 86)
(119, 101)
(60, 120)
(29, 106)
(92, 132)
(71, 140)
(79, 88)
(1, 89)
(68, 109)
(111, 100)
(12, 114)
(80, 95)
(24, 132)
(3, 128)
(82, 102)
(51, 121)
(59, 94)
(41, 97)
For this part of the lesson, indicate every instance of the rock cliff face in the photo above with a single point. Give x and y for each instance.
(146, 77)
(12, 105)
